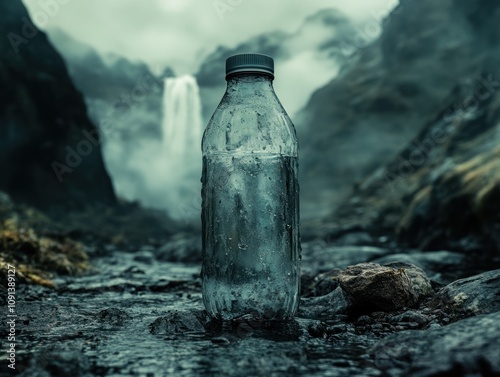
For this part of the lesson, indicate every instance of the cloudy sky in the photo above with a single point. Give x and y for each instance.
(179, 33)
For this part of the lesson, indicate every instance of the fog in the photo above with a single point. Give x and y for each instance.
(180, 33)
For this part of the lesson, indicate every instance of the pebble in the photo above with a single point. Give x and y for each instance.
(220, 340)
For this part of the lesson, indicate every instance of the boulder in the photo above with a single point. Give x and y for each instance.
(373, 287)
(465, 348)
(479, 294)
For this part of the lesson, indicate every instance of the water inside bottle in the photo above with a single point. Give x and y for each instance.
(251, 202)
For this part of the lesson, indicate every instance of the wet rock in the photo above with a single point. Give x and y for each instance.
(465, 348)
(364, 320)
(113, 316)
(479, 294)
(449, 199)
(323, 329)
(327, 306)
(183, 249)
(370, 286)
(420, 282)
(179, 322)
(321, 284)
(411, 316)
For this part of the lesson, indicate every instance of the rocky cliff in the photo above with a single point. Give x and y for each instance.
(49, 150)
(442, 191)
(389, 89)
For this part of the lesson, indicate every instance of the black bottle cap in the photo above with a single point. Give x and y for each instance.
(250, 63)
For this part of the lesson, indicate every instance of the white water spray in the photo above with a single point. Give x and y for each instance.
(181, 147)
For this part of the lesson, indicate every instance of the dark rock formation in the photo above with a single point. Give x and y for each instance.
(113, 316)
(179, 322)
(479, 294)
(442, 191)
(385, 95)
(100, 78)
(466, 348)
(364, 288)
(326, 306)
(116, 88)
(49, 150)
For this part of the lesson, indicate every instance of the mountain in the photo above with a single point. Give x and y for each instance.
(305, 60)
(124, 98)
(442, 190)
(49, 149)
(387, 92)
(97, 76)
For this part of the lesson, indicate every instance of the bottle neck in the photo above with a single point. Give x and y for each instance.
(250, 84)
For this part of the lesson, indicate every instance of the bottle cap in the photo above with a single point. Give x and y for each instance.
(251, 63)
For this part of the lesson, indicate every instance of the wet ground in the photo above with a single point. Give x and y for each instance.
(139, 315)
(104, 324)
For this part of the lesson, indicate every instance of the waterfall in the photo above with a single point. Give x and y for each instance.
(182, 124)
(160, 169)
(182, 130)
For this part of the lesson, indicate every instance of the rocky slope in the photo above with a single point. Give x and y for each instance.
(125, 99)
(442, 191)
(100, 77)
(385, 95)
(114, 88)
(48, 149)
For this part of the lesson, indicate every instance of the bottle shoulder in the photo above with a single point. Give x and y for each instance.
(251, 126)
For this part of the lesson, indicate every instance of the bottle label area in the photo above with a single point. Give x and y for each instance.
(251, 262)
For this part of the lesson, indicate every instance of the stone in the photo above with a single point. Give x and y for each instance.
(373, 287)
(179, 322)
(479, 294)
(326, 306)
(420, 282)
(113, 316)
(411, 316)
(321, 284)
(465, 348)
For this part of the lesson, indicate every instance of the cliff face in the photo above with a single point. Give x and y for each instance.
(49, 150)
(442, 191)
(390, 89)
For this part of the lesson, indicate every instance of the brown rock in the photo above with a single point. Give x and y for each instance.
(377, 287)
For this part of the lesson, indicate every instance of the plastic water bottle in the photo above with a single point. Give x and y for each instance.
(250, 199)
